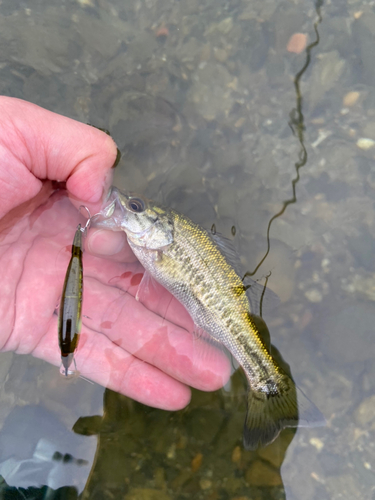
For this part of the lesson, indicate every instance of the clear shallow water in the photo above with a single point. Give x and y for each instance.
(201, 99)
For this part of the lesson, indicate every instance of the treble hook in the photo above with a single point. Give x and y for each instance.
(88, 222)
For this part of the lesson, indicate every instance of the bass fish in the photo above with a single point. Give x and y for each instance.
(192, 265)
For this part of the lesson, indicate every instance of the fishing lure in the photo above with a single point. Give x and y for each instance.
(70, 312)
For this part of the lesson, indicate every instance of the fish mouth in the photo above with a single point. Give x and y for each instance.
(111, 213)
(110, 203)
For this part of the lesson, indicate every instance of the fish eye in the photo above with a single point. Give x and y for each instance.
(136, 205)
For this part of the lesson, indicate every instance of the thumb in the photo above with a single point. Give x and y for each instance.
(36, 145)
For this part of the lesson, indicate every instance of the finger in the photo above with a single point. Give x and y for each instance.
(113, 244)
(38, 144)
(35, 253)
(130, 325)
(98, 359)
(128, 278)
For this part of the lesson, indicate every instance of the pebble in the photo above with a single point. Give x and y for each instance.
(240, 122)
(196, 462)
(365, 143)
(297, 43)
(236, 455)
(326, 72)
(314, 295)
(205, 483)
(171, 453)
(317, 443)
(162, 31)
(364, 414)
(225, 25)
(84, 3)
(221, 55)
(350, 99)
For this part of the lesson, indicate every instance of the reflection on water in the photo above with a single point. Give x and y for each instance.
(198, 96)
(37, 443)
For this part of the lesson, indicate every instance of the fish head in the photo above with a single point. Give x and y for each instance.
(145, 223)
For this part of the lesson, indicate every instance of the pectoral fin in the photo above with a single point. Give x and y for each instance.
(148, 287)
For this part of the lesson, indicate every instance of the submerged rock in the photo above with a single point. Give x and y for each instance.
(325, 73)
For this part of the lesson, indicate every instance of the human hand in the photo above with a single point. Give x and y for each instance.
(142, 350)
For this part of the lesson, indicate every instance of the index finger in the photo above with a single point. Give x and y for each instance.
(154, 339)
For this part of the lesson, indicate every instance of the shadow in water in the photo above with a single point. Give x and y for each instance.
(145, 453)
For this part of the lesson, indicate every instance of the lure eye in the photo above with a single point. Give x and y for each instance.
(136, 205)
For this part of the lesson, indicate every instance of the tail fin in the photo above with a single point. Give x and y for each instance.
(269, 413)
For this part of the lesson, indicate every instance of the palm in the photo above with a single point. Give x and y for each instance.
(140, 348)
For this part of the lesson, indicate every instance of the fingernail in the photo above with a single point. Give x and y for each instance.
(118, 158)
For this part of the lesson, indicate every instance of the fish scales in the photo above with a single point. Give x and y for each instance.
(187, 261)
(195, 271)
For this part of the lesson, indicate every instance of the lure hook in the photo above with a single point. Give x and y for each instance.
(88, 222)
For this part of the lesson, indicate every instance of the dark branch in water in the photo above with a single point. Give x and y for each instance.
(297, 124)
(262, 297)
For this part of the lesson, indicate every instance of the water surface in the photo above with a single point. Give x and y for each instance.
(216, 118)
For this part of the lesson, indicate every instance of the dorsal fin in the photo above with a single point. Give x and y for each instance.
(260, 297)
(256, 292)
(227, 249)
